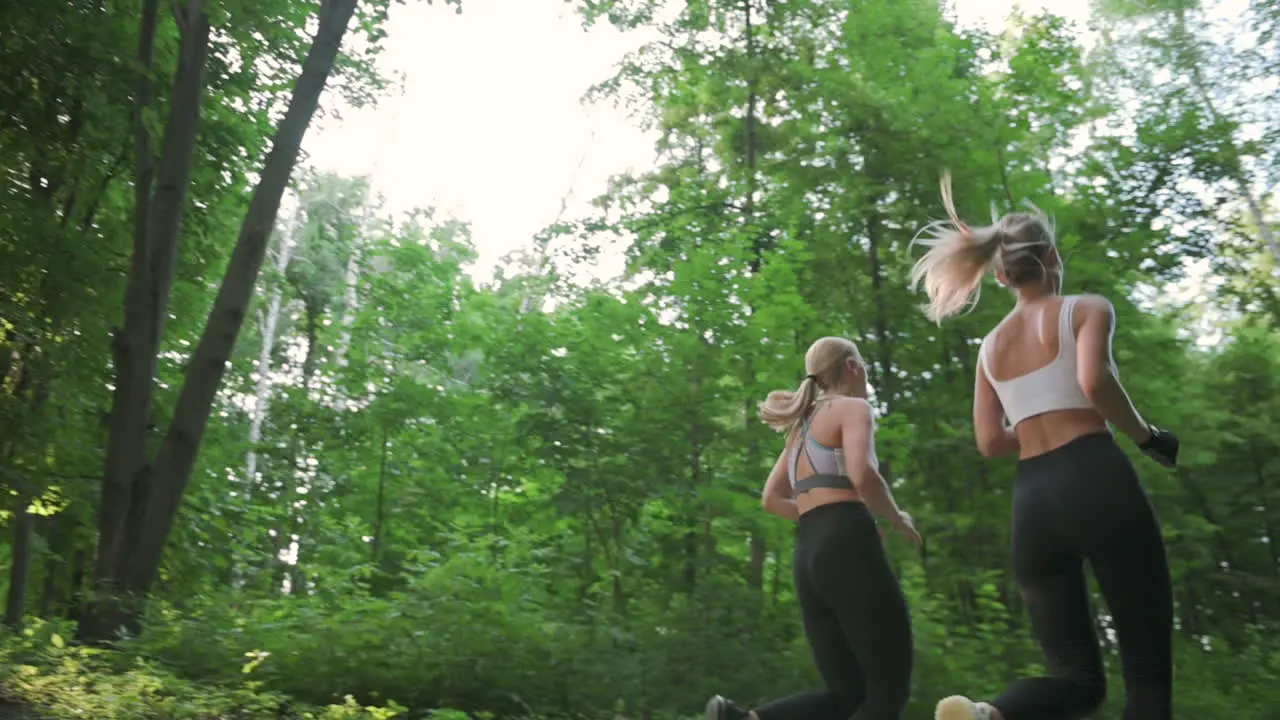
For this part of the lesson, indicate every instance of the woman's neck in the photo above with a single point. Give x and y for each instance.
(1032, 295)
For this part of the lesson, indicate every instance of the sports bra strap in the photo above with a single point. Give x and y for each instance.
(800, 438)
(823, 480)
(817, 479)
(1067, 325)
(804, 440)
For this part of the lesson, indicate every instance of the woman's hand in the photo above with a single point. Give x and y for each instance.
(1161, 446)
(904, 524)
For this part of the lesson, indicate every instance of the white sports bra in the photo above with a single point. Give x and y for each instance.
(1046, 389)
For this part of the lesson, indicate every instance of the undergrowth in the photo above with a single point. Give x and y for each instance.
(55, 679)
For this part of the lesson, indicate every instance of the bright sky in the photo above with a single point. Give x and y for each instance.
(490, 128)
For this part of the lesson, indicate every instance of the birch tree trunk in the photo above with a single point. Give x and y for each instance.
(269, 322)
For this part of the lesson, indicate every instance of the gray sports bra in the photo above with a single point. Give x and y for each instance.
(827, 462)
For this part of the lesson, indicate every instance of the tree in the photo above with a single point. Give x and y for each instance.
(141, 494)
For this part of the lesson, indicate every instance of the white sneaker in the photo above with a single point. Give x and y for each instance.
(959, 707)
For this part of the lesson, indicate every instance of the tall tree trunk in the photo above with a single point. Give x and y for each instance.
(131, 402)
(36, 389)
(379, 513)
(262, 388)
(180, 448)
(269, 322)
(587, 563)
(81, 567)
(289, 538)
(755, 577)
(621, 605)
(132, 561)
(693, 508)
(158, 216)
(58, 538)
(349, 305)
(20, 564)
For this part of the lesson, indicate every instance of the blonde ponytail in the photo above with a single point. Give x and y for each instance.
(782, 409)
(958, 257)
(825, 362)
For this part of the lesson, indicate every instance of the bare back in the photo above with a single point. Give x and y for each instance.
(1027, 342)
(824, 428)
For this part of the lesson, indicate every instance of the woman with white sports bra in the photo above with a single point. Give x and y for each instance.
(1048, 369)
(827, 479)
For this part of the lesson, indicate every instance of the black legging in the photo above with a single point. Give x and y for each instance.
(855, 618)
(1080, 502)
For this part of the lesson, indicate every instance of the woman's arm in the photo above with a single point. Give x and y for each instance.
(855, 440)
(776, 497)
(995, 439)
(1095, 369)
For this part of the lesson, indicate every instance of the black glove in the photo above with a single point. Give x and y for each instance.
(1162, 447)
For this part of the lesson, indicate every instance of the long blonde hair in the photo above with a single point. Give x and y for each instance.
(824, 365)
(961, 254)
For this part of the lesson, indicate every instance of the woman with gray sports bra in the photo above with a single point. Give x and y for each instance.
(827, 479)
(1047, 368)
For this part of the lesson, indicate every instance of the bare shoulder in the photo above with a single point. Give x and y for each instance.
(853, 408)
(1093, 310)
(1092, 304)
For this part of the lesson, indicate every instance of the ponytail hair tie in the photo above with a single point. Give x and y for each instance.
(812, 377)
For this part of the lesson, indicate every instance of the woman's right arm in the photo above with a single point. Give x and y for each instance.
(1095, 369)
(776, 497)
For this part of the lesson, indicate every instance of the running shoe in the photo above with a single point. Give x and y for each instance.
(722, 708)
(959, 707)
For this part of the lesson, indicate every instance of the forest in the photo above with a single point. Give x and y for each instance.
(270, 450)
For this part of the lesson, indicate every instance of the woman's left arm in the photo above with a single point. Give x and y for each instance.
(995, 439)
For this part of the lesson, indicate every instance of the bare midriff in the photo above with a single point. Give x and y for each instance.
(818, 497)
(1050, 431)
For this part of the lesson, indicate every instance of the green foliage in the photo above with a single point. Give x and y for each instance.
(420, 496)
(58, 680)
